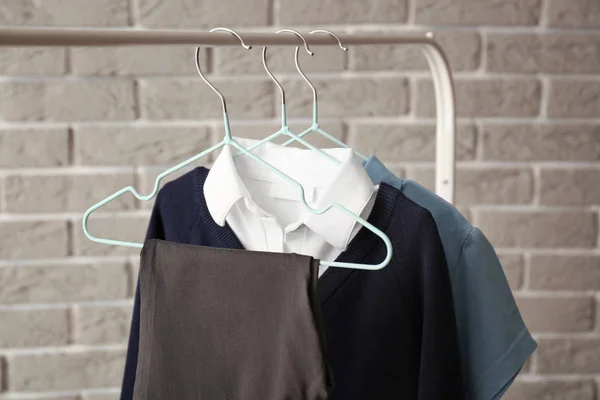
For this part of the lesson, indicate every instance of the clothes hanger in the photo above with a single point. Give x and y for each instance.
(315, 124)
(285, 130)
(228, 140)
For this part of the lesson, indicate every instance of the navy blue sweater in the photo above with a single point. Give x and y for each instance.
(390, 333)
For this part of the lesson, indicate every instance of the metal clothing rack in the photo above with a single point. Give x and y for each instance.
(438, 64)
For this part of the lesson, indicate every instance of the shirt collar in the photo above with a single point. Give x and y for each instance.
(350, 187)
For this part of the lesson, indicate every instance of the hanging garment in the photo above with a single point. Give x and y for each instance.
(229, 324)
(265, 212)
(390, 333)
(494, 340)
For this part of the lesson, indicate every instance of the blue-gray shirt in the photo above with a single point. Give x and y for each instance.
(494, 342)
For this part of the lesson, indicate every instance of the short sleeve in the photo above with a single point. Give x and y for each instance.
(494, 340)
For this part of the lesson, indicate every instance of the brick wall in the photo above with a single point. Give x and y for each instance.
(76, 124)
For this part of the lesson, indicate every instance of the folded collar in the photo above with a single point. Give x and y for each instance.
(346, 184)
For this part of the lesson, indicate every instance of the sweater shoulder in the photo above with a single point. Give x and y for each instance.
(176, 204)
(416, 240)
(411, 222)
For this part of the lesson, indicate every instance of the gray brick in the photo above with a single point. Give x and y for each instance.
(513, 269)
(102, 325)
(139, 145)
(349, 97)
(65, 12)
(574, 99)
(539, 228)
(143, 60)
(59, 397)
(572, 272)
(34, 328)
(570, 187)
(193, 99)
(131, 228)
(63, 283)
(402, 142)
(424, 175)
(485, 185)
(557, 314)
(33, 61)
(202, 14)
(31, 240)
(565, 142)
(551, 390)
(99, 396)
(234, 60)
(550, 53)
(288, 12)
(33, 147)
(475, 12)
(69, 100)
(579, 14)
(486, 98)
(63, 371)
(494, 186)
(568, 356)
(65, 192)
(463, 49)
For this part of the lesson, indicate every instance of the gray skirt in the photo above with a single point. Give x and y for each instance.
(221, 324)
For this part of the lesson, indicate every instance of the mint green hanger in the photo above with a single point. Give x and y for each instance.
(315, 124)
(285, 130)
(228, 140)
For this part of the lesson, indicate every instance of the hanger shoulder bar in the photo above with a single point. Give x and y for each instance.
(16, 36)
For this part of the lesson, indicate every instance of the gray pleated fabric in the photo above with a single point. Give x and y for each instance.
(221, 324)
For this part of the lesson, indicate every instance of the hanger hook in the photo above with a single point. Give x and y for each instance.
(264, 62)
(197, 61)
(302, 74)
(275, 81)
(333, 35)
(234, 33)
(309, 51)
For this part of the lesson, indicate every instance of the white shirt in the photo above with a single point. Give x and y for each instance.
(265, 212)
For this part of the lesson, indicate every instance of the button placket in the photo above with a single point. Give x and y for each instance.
(273, 233)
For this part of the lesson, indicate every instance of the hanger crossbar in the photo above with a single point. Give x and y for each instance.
(18, 36)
